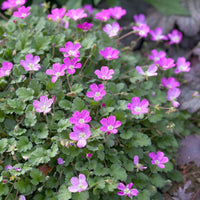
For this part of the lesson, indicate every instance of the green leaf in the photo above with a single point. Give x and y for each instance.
(157, 180)
(41, 130)
(78, 104)
(25, 93)
(36, 176)
(105, 111)
(169, 7)
(65, 104)
(118, 172)
(17, 131)
(111, 88)
(34, 85)
(58, 40)
(144, 195)
(154, 118)
(167, 140)
(77, 88)
(84, 195)
(175, 175)
(41, 24)
(23, 144)
(63, 124)
(71, 4)
(100, 170)
(3, 145)
(2, 116)
(4, 189)
(141, 140)
(30, 119)
(24, 186)
(64, 193)
(89, 41)
(128, 134)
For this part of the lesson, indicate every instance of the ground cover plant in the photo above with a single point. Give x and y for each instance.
(81, 116)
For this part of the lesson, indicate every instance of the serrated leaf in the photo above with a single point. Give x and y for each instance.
(41, 24)
(2, 116)
(63, 124)
(25, 93)
(89, 41)
(100, 170)
(141, 140)
(24, 186)
(118, 172)
(36, 176)
(30, 119)
(106, 111)
(84, 195)
(41, 130)
(34, 85)
(58, 40)
(4, 189)
(154, 118)
(64, 193)
(78, 104)
(65, 104)
(23, 144)
(3, 145)
(157, 180)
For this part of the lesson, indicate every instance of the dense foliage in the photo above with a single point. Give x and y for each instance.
(44, 89)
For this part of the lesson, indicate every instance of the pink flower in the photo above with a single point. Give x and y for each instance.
(158, 159)
(110, 124)
(80, 134)
(56, 14)
(97, 92)
(172, 95)
(126, 190)
(6, 69)
(166, 63)
(137, 164)
(139, 19)
(89, 8)
(157, 34)
(105, 73)
(12, 4)
(89, 155)
(150, 72)
(80, 118)
(182, 65)
(22, 12)
(112, 30)
(85, 26)
(76, 14)
(31, 63)
(104, 15)
(57, 71)
(117, 12)
(78, 184)
(175, 37)
(156, 56)
(60, 161)
(109, 53)
(170, 83)
(71, 65)
(138, 107)
(71, 50)
(142, 30)
(43, 106)
(22, 197)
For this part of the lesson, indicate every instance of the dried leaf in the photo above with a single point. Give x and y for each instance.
(45, 169)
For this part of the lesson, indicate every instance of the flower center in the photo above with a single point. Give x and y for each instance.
(81, 121)
(7, 72)
(57, 73)
(126, 191)
(24, 15)
(103, 77)
(110, 127)
(97, 94)
(108, 57)
(71, 53)
(157, 162)
(31, 65)
(137, 109)
(82, 135)
(44, 108)
(71, 67)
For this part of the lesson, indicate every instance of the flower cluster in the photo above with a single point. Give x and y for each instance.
(6, 69)
(12, 4)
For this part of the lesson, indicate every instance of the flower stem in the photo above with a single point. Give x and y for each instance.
(14, 80)
(125, 35)
(69, 84)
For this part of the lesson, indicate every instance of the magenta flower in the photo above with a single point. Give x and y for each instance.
(104, 15)
(76, 14)
(170, 83)
(97, 92)
(112, 30)
(89, 155)
(139, 19)
(110, 124)
(109, 53)
(138, 107)
(78, 184)
(175, 37)
(80, 134)
(22, 12)
(166, 63)
(71, 50)
(142, 30)
(182, 65)
(22, 197)
(105, 73)
(60, 161)
(156, 56)
(158, 159)
(56, 14)
(137, 164)
(57, 71)
(126, 190)
(43, 106)
(172, 95)
(8, 167)
(12, 4)
(71, 65)
(6, 69)
(31, 63)
(117, 12)
(89, 8)
(150, 72)
(80, 118)
(85, 26)
(157, 34)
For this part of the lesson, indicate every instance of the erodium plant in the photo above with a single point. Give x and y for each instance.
(80, 116)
